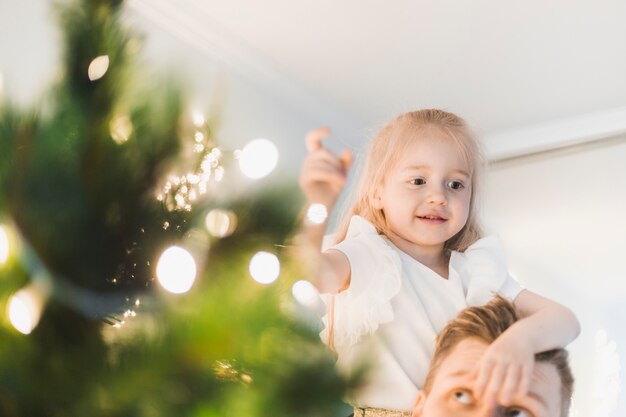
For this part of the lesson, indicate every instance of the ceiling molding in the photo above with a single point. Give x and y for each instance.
(556, 134)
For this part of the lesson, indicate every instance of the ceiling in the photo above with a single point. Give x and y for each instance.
(555, 69)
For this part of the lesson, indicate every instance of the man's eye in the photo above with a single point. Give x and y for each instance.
(456, 185)
(516, 412)
(418, 181)
(463, 397)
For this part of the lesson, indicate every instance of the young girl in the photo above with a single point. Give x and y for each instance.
(409, 257)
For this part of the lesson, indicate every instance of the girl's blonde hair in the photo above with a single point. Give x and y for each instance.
(385, 151)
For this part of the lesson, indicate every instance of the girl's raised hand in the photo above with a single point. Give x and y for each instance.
(323, 173)
(505, 369)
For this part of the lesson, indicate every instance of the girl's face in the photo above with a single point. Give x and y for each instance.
(426, 196)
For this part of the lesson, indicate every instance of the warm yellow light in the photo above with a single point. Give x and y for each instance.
(317, 213)
(98, 67)
(121, 128)
(258, 158)
(24, 309)
(4, 245)
(264, 267)
(220, 223)
(198, 119)
(305, 293)
(176, 270)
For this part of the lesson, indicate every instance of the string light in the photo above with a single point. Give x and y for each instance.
(198, 119)
(98, 67)
(316, 213)
(24, 309)
(4, 245)
(264, 267)
(305, 293)
(220, 223)
(176, 270)
(258, 158)
(181, 191)
(121, 128)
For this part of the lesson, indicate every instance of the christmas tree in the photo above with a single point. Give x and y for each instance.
(125, 268)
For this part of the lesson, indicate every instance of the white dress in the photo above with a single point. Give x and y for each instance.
(395, 306)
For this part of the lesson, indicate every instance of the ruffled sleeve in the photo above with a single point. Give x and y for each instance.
(375, 278)
(484, 272)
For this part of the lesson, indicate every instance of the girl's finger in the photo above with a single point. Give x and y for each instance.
(326, 155)
(324, 164)
(511, 382)
(483, 373)
(495, 382)
(330, 178)
(525, 378)
(313, 139)
(346, 159)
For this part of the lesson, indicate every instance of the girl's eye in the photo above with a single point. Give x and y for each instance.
(463, 397)
(418, 181)
(456, 185)
(516, 412)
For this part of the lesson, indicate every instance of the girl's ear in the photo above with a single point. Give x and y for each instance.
(419, 404)
(377, 201)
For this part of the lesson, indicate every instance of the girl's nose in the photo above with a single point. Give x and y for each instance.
(437, 195)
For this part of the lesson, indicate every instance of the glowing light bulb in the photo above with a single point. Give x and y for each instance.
(258, 158)
(220, 223)
(198, 119)
(4, 245)
(24, 309)
(98, 67)
(305, 293)
(264, 267)
(176, 270)
(121, 128)
(317, 213)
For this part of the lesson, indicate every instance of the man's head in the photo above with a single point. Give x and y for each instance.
(460, 346)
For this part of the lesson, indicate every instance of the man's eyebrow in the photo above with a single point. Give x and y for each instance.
(538, 398)
(458, 373)
(465, 372)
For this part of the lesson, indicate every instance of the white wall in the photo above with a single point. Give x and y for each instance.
(562, 219)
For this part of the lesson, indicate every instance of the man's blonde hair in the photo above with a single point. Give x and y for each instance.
(487, 323)
(386, 149)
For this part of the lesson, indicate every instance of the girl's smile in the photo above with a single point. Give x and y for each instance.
(426, 197)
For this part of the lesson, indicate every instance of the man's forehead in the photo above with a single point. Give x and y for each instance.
(460, 363)
(463, 357)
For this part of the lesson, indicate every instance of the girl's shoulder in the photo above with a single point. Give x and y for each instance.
(482, 268)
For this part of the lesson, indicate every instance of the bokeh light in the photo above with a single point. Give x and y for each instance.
(264, 267)
(305, 293)
(317, 213)
(4, 245)
(98, 67)
(24, 310)
(220, 223)
(121, 128)
(176, 270)
(258, 158)
(198, 119)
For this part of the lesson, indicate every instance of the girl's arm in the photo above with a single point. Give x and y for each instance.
(322, 179)
(548, 324)
(506, 367)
